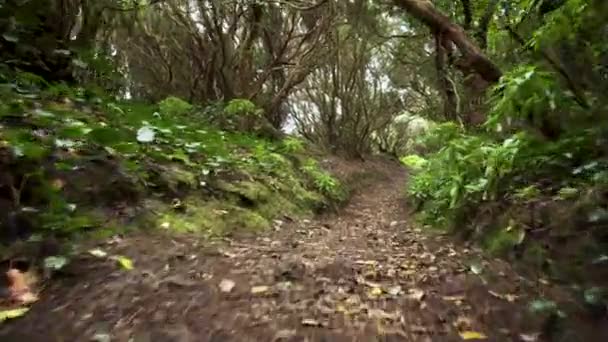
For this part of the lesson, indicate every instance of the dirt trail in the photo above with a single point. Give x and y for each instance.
(365, 274)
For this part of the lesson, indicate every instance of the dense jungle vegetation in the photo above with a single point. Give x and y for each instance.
(226, 118)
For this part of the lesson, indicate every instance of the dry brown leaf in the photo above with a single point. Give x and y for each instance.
(508, 297)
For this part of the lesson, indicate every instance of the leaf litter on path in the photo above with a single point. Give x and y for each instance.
(394, 270)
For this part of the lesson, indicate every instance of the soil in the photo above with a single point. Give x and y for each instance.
(366, 273)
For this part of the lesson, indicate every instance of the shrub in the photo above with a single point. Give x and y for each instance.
(174, 106)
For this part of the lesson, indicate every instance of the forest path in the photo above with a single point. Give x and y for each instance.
(365, 274)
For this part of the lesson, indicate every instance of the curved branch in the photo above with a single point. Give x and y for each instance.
(474, 59)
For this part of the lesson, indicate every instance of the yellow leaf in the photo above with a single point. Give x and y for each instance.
(14, 313)
(473, 335)
(124, 262)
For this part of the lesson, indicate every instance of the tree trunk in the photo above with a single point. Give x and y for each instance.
(450, 102)
(474, 59)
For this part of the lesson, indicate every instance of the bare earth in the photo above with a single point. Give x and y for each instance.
(364, 274)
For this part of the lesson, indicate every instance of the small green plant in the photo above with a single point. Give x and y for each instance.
(174, 106)
(292, 145)
(241, 107)
(323, 180)
(414, 162)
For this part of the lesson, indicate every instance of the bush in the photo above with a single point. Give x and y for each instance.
(323, 180)
(174, 106)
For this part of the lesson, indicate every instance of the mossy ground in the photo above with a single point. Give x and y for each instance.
(87, 163)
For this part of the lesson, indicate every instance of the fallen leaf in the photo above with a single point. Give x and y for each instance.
(416, 294)
(472, 335)
(508, 297)
(311, 322)
(366, 262)
(374, 292)
(259, 289)
(476, 269)
(124, 262)
(98, 253)
(395, 290)
(454, 298)
(529, 337)
(13, 313)
(226, 285)
(381, 314)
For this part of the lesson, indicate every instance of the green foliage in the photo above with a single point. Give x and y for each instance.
(413, 161)
(526, 94)
(465, 172)
(292, 145)
(174, 106)
(322, 180)
(110, 151)
(241, 107)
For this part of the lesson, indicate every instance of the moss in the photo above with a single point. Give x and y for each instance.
(211, 218)
(175, 177)
(501, 241)
(254, 192)
(240, 219)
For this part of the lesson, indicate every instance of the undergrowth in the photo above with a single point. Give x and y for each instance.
(532, 183)
(75, 160)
